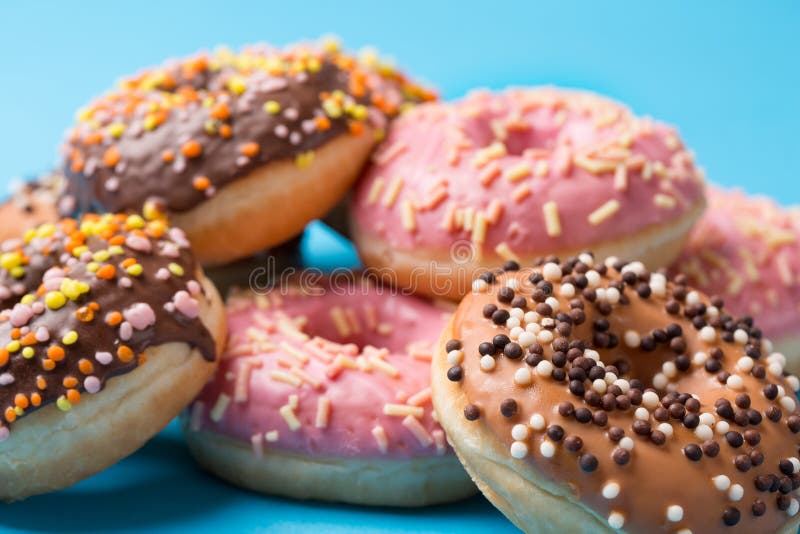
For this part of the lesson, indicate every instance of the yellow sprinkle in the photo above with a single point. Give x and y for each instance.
(78, 251)
(151, 212)
(29, 235)
(92, 266)
(13, 346)
(272, 107)
(84, 114)
(55, 300)
(9, 260)
(359, 112)
(18, 272)
(150, 122)
(116, 129)
(73, 289)
(19, 411)
(175, 269)
(304, 160)
(237, 85)
(332, 108)
(28, 299)
(27, 353)
(70, 337)
(101, 255)
(135, 269)
(135, 221)
(63, 404)
(116, 250)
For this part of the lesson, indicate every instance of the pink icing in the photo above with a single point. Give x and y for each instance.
(745, 249)
(386, 332)
(436, 150)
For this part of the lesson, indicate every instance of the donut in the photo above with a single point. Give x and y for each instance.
(746, 250)
(519, 174)
(32, 203)
(323, 392)
(230, 144)
(108, 329)
(596, 397)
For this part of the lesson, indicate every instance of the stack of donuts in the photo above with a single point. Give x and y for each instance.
(553, 310)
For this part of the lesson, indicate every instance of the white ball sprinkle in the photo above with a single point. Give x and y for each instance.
(641, 413)
(674, 513)
(599, 386)
(669, 369)
(787, 403)
(740, 336)
(551, 272)
(781, 392)
(626, 443)
(538, 421)
(775, 369)
(611, 490)
(547, 449)
(526, 339)
(515, 332)
(523, 376)
(513, 322)
(454, 357)
(735, 382)
(635, 267)
(745, 364)
(692, 297)
(736, 493)
(479, 286)
(622, 384)
(591, 353)
(612, 295)
(531, 317)
(520, 432)
(794, 506)
(795, 464)
(513, 283)
(721, 482)
(609, 377)
(793, 382)
(533, 328)
(553, 303)
(519, 313)
(593, 278)
(616, 520)
(703, 432)
(666, 429)
(722, 427)
(586, 258)
(699, 358)
(658, 289)
(567, 291)
(660, 381)
(707, 419)
(632, 339)
(600, 294)
(712, 311)
(519, 450)
(684, 531)
(708, 334)
(650, 400)
(487, 363)
(544, 368)
(768, 345)
(545, 337)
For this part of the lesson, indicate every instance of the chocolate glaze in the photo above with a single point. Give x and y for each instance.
(186, 93)
(46, 257)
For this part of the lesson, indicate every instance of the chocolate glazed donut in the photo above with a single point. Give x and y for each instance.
(589, 397)
(228, 141)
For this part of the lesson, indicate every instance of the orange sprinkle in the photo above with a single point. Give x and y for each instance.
(84, 314)
(73, 396)
(21, 401)
(356, 128)
(125, 353)
(111, 156)
(113, 318)
(48, 364)
(55, 353)
(220, 111)
(41, 383)
(94, 306)
(28, 339)
(191, 149)
(127, 262)
(323, 123)
(3, 357)
(106, 272)
(225, 131)
(250, 150)
(10, 414)
(85, 366)
(168, 156)
(142, 358)
(69, 382)
(36, 399)
(117, 240)
(15, 333)
(201, 183)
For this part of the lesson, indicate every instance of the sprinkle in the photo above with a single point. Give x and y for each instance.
(403, 410)
(551, 218)
(611, 490)
(505, 252)
(380, 437)
(664, 201)
(547, 449)
(519, 450)
(604, 212)
(287, 378)
(616, 520)
(375, 191)
(416, 428)
(323, 412)
(392, 191)
(674, 513)
(518, 172)
(408, 216)
(289, 416)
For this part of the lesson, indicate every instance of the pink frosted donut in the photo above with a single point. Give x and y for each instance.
(517, 175)
(324, 392)
(746, 250)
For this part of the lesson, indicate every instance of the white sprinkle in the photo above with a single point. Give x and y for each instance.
(600, 386)
(622, 384)
(632, 339)
(523, 376)
(520, 432)
(538, 422)
(794, 506)
(795, 464)
(650, 400)
(544, 368)
(666, 429)
(514, 331)
(793, 382)
(512, 322)
(526, 339)
(479, 286)
(692, 297)
(545, 337)
(553, 303)
(641, 414)
(612, 295)
(722, 427)
(699, 358)
(567, 291)
(669, 369)
(626, 443)
(616, 520)
(660, 381)
(519, 449)
(513, 283)
(708, 334)
(740, 336)
(703, 432)
(611, 490)
(787, 403)
(735, 382)
(487, 363)
(707, 419)
(736, 493)
(531, 317)
(591, 353)
(454, 357)
(547, 449)
(519, 313)
(588, 259)
(745, 364)
(593, 277)
(674, 513)
(721, 482)
(775, 368)
(551, 272)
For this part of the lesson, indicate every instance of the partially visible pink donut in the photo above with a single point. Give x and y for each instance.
(324, 392)
(520, 174)
(746, 250)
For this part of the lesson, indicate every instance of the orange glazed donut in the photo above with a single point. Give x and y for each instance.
(227, 142)
(515, 175)
(108, 329)
(31, 204)
(324, 392)
(600, 397)
(746, 249)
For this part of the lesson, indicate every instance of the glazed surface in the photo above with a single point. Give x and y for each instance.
(330, 371)
(524, 172)
(640, 397)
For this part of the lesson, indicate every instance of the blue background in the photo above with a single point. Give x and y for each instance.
(725, 72)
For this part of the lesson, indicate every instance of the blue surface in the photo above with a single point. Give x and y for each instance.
(725, 72)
